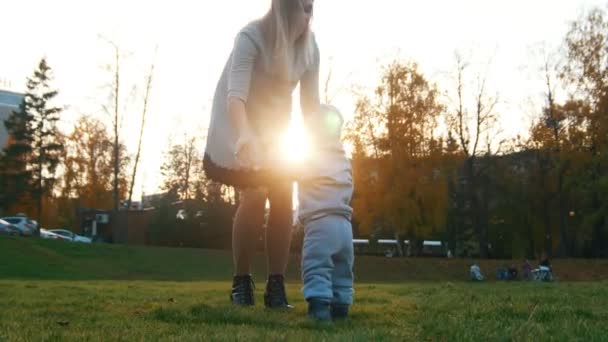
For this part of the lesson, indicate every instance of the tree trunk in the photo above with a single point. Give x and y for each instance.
(474, 211)
(531, 246)
(39, 194)
(141, 134)
(116, 147)
(565, 247)
(399, 247)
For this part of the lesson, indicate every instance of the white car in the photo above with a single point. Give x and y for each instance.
(46, 234)
(25, 225)
(8, 229)
(71, 236)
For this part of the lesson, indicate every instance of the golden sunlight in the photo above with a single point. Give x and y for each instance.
(295, 146)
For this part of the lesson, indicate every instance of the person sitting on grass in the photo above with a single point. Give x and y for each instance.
(325, 192)
(512, 272)
(544, 262)
(502, 273)
(545, 273)
(475, 272)
(526, 270)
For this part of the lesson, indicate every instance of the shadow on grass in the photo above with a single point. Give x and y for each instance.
(372, 300)
(204, 314)
(209, 315)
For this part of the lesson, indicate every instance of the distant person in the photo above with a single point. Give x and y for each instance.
(544, 261)
(544, 272)
(526, 270)
(502, 273)
(512, 272)
(251, 111)
(324, 194)
(475, 272)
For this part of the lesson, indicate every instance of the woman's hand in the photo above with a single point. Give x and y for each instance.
(245, 146)
(245, 150)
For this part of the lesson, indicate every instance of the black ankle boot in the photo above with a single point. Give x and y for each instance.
(274, 296)
(318, 309)
(242, 291)
(339, 311)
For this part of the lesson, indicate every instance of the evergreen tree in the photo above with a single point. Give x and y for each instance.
(32, 155)
(14, 174)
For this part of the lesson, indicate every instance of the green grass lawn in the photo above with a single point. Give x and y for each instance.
(58, 291)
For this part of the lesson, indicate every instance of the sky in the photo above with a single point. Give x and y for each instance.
(189, 41)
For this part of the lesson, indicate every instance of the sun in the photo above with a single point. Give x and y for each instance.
(295, 145)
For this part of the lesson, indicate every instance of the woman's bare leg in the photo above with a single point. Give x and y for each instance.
(247, 225)
(278, 232)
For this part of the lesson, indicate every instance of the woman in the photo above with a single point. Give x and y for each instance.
(251, 110)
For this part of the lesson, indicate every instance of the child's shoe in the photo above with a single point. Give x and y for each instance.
(318, 309)
(339, 311)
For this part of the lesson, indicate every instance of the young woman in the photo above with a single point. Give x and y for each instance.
(251, 110)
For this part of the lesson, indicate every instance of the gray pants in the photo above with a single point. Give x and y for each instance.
(327, 260)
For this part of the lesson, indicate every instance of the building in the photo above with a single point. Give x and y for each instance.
(150, 201)
(9, 101)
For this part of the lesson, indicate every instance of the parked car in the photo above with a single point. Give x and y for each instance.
(47, 234)
(181, 214)
(25, 225)
(70, 235)
(8, 229)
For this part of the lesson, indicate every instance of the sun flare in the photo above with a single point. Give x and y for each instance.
(295, 146)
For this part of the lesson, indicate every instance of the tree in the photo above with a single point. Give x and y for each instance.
(14, 173)
(141, 132)
(183, 172)
(114, 110)
(399, 188)
(88, 165)
(470, 127)
(31, 159)
(586, 71)
(328, 93)
(557, 138)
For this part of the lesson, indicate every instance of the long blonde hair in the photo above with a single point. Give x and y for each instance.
(278, 29)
